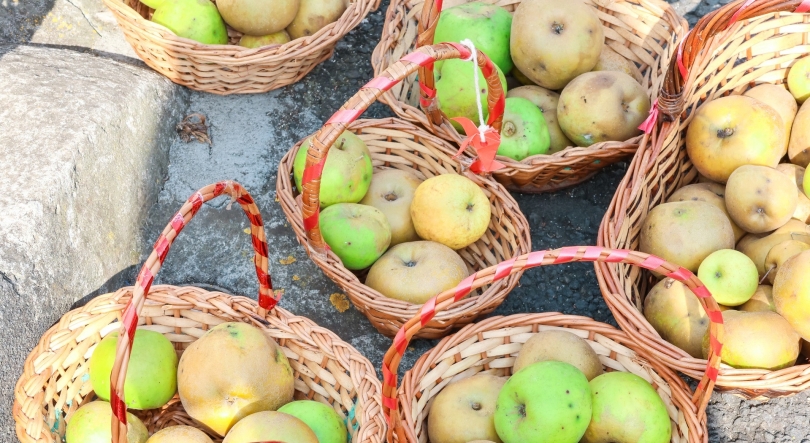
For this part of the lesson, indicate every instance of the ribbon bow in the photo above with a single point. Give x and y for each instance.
(485, 140)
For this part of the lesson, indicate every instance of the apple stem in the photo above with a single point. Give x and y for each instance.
(766, 274)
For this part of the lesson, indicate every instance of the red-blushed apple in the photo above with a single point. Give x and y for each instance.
(730, 276)
(464, 410)
(626, 409)
(417, 271)
(450, 209)
(358, 234)
(546, 402)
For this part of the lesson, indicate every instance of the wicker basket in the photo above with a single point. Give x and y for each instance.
(230, 69)
(491, 346)
(728, 52)
(643, 31)
(54, 383)
(398, 144)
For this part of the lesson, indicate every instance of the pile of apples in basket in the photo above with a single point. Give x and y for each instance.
(742, 228)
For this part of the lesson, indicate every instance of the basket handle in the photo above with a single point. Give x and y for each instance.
(711, 24)
(543, 258)
(129, 322)
(426, 32)
(323, 140)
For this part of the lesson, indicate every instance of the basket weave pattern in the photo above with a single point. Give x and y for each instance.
(643, 31)
(230, 69)
(55, 379)
(492, 345)
(731, 50)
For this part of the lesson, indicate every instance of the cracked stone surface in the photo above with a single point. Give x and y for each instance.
(249, 136)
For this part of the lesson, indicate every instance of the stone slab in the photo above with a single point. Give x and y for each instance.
(84, 150)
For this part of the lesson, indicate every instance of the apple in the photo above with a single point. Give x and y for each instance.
(757, 246)
(626, 409)
(321, 418)
(762, 300)
(799, 146)
(777, 97)
(524, 132)
(346, 174)
(279, 38)
(91, 423)
(546, 101)
(709, 192)
(756, 340)
(780, 253)
(455, 90)
(760, 198)
(487, 26)
(610, 60)
(197, 20)
(729, 132)
(179, 434)
(391, 192)
(791, 292)
(806, 185)
(358, 234)
(258, 17)
(799, 79)
(730, 276)
(314, 15)
(450, 209)
(796, 173)
(546, 402)
(270, 426)
(416, 271)
(464, 410)
(561, 346)
(676, 314)
(151, 375)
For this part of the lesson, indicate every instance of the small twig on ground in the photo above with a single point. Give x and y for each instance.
(194, 127)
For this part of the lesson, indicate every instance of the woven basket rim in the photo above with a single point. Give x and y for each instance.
(748, 383)
(401, 309)
(77, 318)
(379, 63)
(680, 394)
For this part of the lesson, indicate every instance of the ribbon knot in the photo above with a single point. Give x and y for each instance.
(648, 124)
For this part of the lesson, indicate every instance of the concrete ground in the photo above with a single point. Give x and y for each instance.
(249, 136)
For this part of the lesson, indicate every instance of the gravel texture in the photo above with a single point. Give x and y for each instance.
(250, 134)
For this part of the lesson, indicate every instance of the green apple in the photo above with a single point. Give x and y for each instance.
(487, 26)
(358, 234)
(524, 132)
(197, 20)
(450, 209)
(730, 276)
(91, 423)
(321, 418)
(346, 174)
(799, 79)
(626, 409)
(279, 38)
(546, 402)
(455, 90)
(270, 426)
(151, 375)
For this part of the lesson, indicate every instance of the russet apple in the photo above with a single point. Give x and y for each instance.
(780, 253)
(320, 417)
(685, 232)
(179, 434)
(417, 271)
(762, 300)
(796, 172)
(602, 106)
(799, 146)
(676, 314)
(244, 370)
(546, 101)
(450, 209)
(730, 276)
(279, 38)
(780, 100)
(626, 409)
(760, 198)
(346, 174)
(358, 234)
(314, 15)
(258, 17)
(546, 402)
(791, 292)
(553, 42)
(391, 192)
(708, 192)
(729, 132)
(91, 424)
(561, 346)
(610, 60)
(464, 410)
(756, 340)
(270, 426)
(151, 375)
